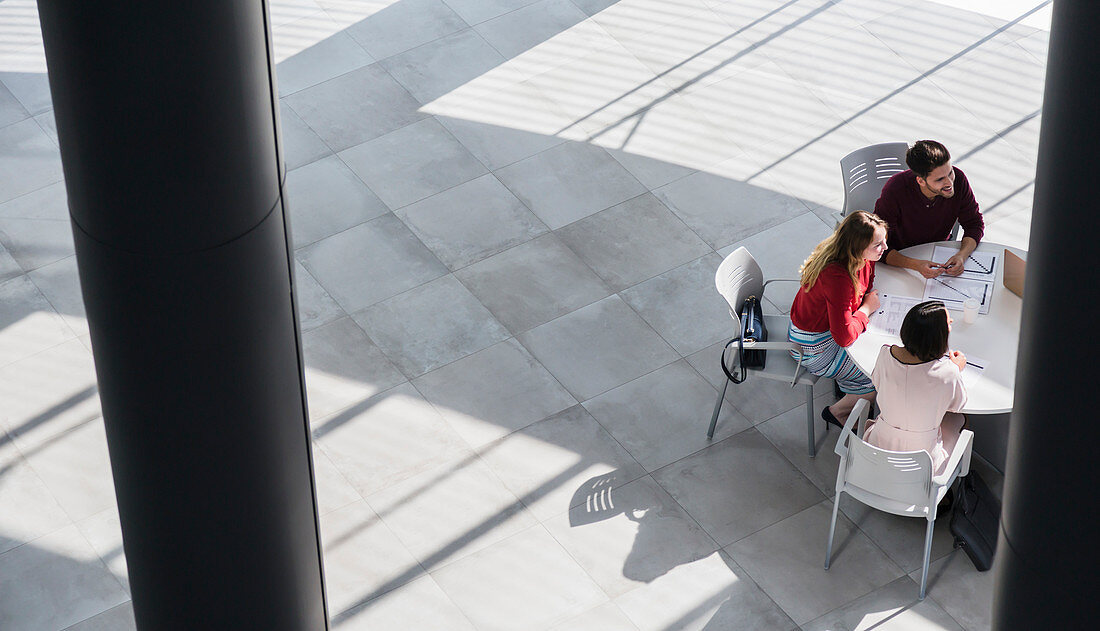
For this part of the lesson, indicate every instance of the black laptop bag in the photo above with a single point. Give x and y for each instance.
(975, 520)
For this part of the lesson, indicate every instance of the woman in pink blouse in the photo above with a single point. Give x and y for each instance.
(920, 388)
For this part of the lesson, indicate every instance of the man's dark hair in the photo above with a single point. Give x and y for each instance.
(925, 156)
(924, 330)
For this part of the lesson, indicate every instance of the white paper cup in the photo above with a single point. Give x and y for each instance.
(970, 310)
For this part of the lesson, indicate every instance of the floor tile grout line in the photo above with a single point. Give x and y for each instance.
(37, 190)
(471, 30)
(431, 41)
(610, 599)
(508, 12)
(380, 518)
(100, 613)
(426, 197)
(64, 317)
(808, 508)
(727, 401)
(651, 326)
(722, 548)
(377, 61)
(451, 600)
(492, 444)
(28, 117)
(394, 360)
(587, 18)
(519, 504)
(648, 192)
(492, 171)
(74, 338)
(106, 566)
(70, 523)
(522, 531)
(333, 151)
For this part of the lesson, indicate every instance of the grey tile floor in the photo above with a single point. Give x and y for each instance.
(507, 215)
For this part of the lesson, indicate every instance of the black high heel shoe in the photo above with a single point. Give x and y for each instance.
(829, 419)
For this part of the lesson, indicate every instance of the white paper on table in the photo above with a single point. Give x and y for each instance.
(980, 266)
(975, 366)
(891, 311)
(952, 291)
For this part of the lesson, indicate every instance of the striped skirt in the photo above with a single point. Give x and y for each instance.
(822, 356)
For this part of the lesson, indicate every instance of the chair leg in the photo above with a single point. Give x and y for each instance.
(812, 444)
(717, 408)
(832, 531)
(927, 556)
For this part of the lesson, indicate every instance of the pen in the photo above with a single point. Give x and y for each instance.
(968, 363)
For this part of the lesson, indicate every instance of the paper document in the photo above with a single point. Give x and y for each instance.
(891, 311)
(952, 291)
(975, 366)
(979, 266)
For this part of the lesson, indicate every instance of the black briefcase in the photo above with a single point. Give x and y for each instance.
(975, 520)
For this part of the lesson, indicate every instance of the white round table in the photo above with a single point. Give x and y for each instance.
(994, 337)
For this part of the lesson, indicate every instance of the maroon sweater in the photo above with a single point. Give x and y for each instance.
(832, 303)
(914, 219)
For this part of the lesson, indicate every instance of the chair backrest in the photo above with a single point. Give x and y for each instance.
(738, 277)
(866, 170)
(902, 476)
(889, 480)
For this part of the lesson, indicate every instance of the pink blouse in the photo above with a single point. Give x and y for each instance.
(913, 399)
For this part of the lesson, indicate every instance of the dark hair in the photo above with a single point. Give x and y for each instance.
(924, 330)
(926, 156)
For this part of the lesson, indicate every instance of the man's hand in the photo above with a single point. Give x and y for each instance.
(927, 269)
(957, 358)
(954, 265)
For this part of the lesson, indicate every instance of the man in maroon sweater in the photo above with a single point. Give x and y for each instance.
(922, 205)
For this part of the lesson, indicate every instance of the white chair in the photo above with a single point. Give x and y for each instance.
(738, 277)
(865, 171)
(898, 482)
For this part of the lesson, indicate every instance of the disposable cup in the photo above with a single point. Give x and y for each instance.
(970, 310)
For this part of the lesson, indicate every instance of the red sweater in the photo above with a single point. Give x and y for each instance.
(832, 303)
(915, 219)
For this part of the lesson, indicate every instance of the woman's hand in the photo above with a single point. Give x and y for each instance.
(871, 302)
(957, 358)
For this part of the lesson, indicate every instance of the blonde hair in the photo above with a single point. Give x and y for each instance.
(845, 246)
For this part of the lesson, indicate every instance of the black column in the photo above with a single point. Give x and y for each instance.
(1050, 522)
(167, 118)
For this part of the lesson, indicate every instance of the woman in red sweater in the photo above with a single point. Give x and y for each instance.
(833, 305)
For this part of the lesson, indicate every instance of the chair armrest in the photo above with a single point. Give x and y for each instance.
(782, 280)
(857, 415)
(781, 346)
(772, 346)
(959, 462)
(764, 287)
